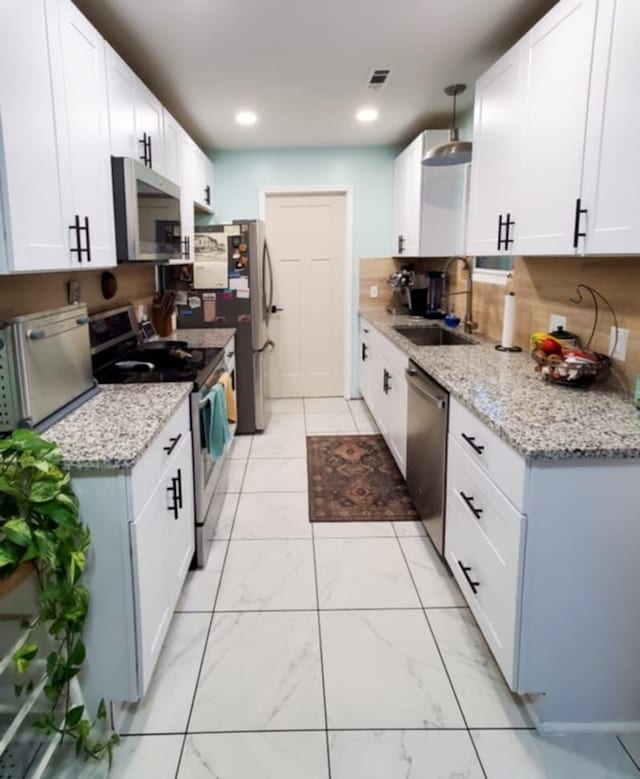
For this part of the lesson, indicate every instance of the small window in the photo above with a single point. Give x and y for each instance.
(493, 270)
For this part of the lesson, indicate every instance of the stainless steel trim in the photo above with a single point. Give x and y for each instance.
(120, 338)
(419, 385)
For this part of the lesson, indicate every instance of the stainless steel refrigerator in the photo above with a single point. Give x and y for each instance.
(240, 297)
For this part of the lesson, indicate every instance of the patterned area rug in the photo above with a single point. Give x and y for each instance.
(353, 478)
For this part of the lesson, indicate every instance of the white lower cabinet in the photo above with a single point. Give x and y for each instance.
(143, 538)
(384, 389)
(545, 553)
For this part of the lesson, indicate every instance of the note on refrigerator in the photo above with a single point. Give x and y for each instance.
(232, 229)
(243, 294)
(209, 306)
(209, 275)
(239, 283)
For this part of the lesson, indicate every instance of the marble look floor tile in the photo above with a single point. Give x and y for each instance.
(269, 445)
(631, 742)
(231, 476)
(285, 423)
(276, 475)
(404, 754)
(331, 423)
(407, 529)
(255, 756)
(201, 585)
(268, 575)
(223, 506)
(320, 405)
(526, 755)
(135, 757)
(285, 405)
(363, 573)
(272, 515)
(482, 691)
(352, 529)
(435, 584)
(358, 406)
(382, 670)
(240, 447)
(261, 672)
(165, 707)
(365, 424)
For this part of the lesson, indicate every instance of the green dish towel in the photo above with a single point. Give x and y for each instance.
(215, 422)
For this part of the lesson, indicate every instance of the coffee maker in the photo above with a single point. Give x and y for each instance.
(417, 294)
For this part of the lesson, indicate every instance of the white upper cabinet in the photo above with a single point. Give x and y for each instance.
(495, 182)
(428, 203)
(188, 159)
(558, 54)
(611, 186)
(36, 238)
(171, 134)
(80, 101)
(150, 128)
(121, 85)
(203, 182)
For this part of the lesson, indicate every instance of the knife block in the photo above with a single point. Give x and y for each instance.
(161, 321)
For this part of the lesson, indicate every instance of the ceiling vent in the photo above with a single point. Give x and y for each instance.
(378, 78)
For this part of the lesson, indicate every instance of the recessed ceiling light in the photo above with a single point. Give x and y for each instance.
(246, 117)
(367, 115)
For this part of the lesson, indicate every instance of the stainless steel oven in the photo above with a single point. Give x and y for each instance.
(206, 471)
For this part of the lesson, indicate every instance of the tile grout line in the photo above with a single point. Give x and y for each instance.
(433, 729)
(439, 651)
(315, 579)
(621, 742)
(213, 612)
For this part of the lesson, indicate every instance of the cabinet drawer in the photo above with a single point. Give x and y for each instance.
(496, 600)
(397, 359)
(483, 503)
(497, 459)
(145, 473)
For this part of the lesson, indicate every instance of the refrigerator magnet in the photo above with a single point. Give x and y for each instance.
(194, 301)
(220, 320)
(227, 295)
(244, 318)
(209, 306)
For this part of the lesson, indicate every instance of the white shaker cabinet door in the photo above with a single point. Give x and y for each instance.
(150, 125)
(171, 133)
(399, 204)
(34, 220)
(558, 70)
(611, 189)
(413, 196)
(121, 88)
(180, 536)
(495, 180)
(187, 150)
(78, 74)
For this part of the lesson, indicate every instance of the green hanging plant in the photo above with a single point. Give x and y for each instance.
(40, 525)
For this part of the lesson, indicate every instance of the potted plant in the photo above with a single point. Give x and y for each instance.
(40, 528)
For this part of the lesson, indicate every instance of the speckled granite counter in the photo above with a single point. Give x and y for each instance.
(539, 420)
(114, 428)
(206, 337)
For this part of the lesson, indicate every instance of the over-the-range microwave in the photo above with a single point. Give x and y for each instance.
(147, 213)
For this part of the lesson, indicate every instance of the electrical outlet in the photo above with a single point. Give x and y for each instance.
(556, 321)
(620, 352)
(373, 291)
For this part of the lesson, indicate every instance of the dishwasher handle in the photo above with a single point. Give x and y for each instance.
(413, 379)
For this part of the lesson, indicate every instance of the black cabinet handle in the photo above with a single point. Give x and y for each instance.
(207, 195)
(386, 381)
(364, 352)
(179, 488)
(508, 224)
(78, 247)
(364, 330)
(576, 225)
(173, 490)
(401, 243)
(501, 224)
(465, 570)
(186, 247)
(173, 443)
(469, 501)
(230, 354)
(479, 448)
(87, 237)
(150, 157)
(146, 149)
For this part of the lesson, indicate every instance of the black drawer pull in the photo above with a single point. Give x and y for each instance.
(173, 490)
(465, 570)
(386, 381)
(471, 440)
(179, 488)
(364, 352)
(577, 233)
(469, 501)
(174, 441)
(501, 224)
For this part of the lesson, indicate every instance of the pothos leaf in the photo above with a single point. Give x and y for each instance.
(78, 653)
(18, 531)
(23, 656)
(42, 491)
(74, 716)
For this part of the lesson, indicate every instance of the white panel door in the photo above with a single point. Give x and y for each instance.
(307, 239)
(171, 134)
(495, 179)
(558, 71)
(187, 150)
(150, 124)
(121, 89)
(413, 196)
(399, 204)
(34, 220)
(180, 537)
(80, 98)
(611, 187)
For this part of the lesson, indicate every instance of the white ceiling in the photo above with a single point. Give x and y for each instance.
(302, 66)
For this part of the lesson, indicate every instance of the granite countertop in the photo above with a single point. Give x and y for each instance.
(539, 420)
(205, 337)
(114, 428)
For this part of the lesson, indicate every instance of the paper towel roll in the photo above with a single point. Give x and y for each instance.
(509, 321)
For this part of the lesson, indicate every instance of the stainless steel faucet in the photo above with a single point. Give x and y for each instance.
(469, 324)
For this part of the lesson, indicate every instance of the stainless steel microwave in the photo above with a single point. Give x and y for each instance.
(147, 213)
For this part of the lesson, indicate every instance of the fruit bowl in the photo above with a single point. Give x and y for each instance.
(571, 369)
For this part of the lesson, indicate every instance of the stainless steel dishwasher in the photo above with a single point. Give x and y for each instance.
(427, 422)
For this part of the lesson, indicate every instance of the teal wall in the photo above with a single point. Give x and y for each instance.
(367, 170)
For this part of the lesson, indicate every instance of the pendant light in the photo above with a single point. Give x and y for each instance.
(455, 151)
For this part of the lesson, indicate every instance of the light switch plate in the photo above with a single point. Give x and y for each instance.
(621, 346)
(373, 291)
(556, 321)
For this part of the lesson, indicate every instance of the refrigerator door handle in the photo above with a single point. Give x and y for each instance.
(268, 344)
(266, 265)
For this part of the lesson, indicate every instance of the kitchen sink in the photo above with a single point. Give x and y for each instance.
(432, 336)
